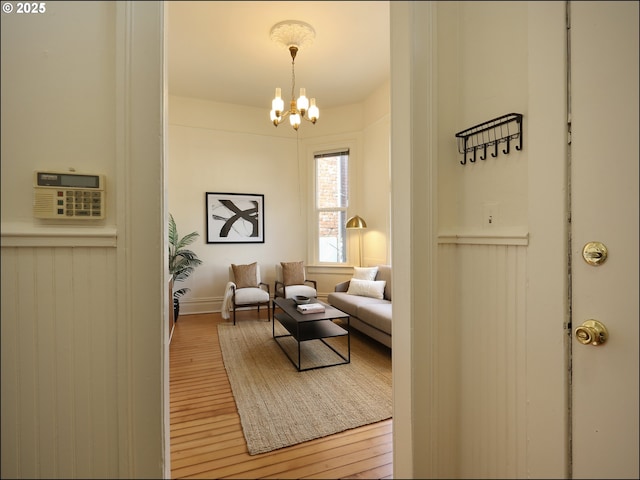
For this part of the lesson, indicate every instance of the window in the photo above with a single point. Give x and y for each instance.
(331, 202)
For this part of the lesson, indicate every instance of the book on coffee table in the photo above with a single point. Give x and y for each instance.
(311, 308)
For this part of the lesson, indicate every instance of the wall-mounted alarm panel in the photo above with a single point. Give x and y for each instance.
(68, 196)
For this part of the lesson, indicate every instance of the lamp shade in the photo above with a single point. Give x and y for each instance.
(356, 222)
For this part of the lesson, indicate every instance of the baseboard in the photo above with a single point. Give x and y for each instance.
(195, 306)
(191, 306)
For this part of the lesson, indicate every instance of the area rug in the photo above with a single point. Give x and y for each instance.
(280, 406)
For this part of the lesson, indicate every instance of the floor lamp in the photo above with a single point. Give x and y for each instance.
(357, 223)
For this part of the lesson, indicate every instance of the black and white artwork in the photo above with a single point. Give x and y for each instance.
(235, 217)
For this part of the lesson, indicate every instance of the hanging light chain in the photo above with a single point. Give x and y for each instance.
(293, 50)
(293, 77)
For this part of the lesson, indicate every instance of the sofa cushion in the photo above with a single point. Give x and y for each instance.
(384, 273)
(367, 288)
(377, 315)
(365, 273)
(350, 303)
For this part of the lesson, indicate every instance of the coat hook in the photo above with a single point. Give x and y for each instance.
(519, 122)
(506, 150)
(519, 146)
(495, 149)
(484, 155)
(464, 152)
(474, 155)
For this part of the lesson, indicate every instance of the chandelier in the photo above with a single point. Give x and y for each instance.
(293, 35)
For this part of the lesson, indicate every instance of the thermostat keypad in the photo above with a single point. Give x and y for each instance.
(81, 203)
(69, 196)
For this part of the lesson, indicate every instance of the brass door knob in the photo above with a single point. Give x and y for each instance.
(592, 332)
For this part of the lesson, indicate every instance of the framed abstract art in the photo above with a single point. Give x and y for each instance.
(235, 217)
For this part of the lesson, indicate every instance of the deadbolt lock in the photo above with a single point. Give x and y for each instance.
(592, 332)
(595, 253)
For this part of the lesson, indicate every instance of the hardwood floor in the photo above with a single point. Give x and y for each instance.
(206, 435)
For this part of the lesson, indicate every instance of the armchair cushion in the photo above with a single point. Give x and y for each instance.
(251, 295)
(293, 290)
(246, 275)
(292, 273)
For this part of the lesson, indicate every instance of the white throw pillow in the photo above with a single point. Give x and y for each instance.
(367, 288)
(365, 273)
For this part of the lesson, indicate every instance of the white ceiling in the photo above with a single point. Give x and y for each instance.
(221, 51)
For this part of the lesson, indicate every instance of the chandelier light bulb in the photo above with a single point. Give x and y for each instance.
(313, 112)
(303, 102)
(277, 104)
(294, 116)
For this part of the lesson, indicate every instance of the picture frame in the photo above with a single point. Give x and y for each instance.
(234, 217)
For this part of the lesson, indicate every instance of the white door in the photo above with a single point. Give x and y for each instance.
(604, 204)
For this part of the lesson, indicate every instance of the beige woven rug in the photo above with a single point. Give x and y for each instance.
(280, 406)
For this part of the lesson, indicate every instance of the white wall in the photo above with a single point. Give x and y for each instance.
(205, 157)
(84, 336)
(488, 395)
(45, 64)
(482, 74)
(375, 179)
(216, 147)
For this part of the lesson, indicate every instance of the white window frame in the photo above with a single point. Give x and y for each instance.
(340, 210)
(348, 144)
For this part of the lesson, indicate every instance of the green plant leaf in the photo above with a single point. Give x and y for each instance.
(182, 261)
(187, 239)
(179, 293)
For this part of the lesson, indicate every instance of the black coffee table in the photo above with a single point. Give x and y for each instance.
(310, 326)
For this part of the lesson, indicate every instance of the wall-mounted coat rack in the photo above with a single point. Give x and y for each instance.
(489, 134)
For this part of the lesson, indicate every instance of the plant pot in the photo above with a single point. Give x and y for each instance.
(176, 309)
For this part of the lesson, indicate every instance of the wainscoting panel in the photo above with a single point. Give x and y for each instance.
(482, 308)
(59, 364)
(447, 348)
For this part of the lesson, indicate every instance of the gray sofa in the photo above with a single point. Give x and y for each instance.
(371, 316)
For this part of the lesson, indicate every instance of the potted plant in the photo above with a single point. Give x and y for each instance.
(182, 261)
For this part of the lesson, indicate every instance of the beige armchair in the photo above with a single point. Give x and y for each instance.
(248, 290)
(291, 280)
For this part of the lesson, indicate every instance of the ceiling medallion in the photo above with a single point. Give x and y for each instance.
(293, 32)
